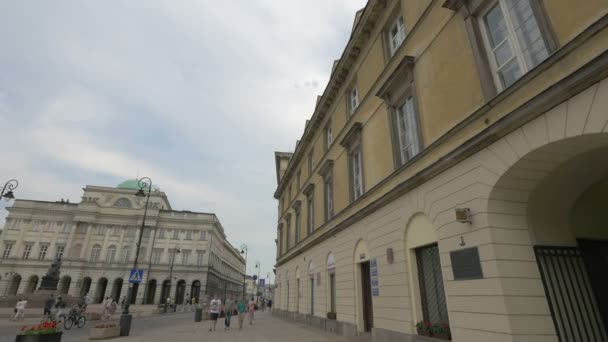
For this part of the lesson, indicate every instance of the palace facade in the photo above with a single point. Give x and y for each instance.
(96, 241)
(454, 171)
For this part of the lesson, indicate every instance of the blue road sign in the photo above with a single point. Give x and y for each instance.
(136, 276)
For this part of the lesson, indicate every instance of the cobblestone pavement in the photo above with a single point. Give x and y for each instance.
(181, 327)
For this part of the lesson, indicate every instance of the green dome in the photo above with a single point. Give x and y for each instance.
(129, 184)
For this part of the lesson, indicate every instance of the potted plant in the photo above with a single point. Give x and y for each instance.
(104, 330)
(441, 331)
(423, 328)
(331, 315)
(46, 331)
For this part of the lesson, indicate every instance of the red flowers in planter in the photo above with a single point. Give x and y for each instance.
(45, 327)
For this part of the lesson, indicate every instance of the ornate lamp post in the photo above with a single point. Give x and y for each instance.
(244, 251)
(125, 318)
(10, 186)
(259, 267)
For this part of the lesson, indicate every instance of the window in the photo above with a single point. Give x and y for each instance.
(311, 163)
(42, 252)
(27, 249)
(8, 246)
(200, 258)
(175, 234)
(100, 230)
(172, 253)
(161, 233)
(310, 212)
(81, 228)
(116, 231)
(357, 174)
(156, 255)
(288, 229)
(59, 252)
(12, 224)
(111, 254)
(513, 39)
(329, 197)
(188, 235)
(185, 256)
(203, 235)
(130, 232)
(48, 226)
(353, 99)
(95, 253)
(328, 136)
(146, 232)
(407, 131)
(332, 292)
(298, 177)
(65, 227)
(396, 34)
(298, 224)
(35, 226)
(123, 203)
(126, 254)
(431, 289)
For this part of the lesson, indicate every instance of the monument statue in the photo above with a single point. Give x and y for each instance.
(50, 280)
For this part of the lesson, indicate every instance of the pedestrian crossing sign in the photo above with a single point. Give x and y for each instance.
(136, 276)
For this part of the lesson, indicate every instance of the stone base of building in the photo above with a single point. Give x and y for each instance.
(329, 325)
(349, 329)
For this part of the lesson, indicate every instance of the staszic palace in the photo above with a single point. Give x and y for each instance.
(454, 171)
(96, 240)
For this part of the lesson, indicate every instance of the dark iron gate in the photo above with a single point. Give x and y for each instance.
(434, 308)
(569, 293)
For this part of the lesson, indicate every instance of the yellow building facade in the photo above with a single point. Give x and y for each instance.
(455, 172)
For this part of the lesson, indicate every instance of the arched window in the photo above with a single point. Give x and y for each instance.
(126, 254)
(123, 203)
(111, 254)
(95, 253)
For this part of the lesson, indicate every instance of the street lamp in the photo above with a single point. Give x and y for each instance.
(10, 186)
(244, 251)
(125, 318)
(258, 266)
(177, 250)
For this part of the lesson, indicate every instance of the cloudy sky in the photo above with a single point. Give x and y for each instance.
(195, 94)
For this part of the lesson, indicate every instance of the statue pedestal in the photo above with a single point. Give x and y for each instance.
(49, 283)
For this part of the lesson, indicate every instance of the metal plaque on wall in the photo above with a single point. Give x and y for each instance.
(466, 264)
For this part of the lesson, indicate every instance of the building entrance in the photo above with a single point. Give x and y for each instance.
(366, 292)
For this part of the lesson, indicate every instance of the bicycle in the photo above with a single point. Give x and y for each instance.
(75, 316)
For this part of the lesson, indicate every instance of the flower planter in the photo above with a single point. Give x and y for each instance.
(443, 336)
(103, 333)
(424, 333)
(54, 337)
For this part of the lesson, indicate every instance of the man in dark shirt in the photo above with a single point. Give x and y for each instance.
(48, 305)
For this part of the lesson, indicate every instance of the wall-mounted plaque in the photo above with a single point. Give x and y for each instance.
(466, 264)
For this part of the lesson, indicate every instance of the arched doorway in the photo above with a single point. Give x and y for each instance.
(365, 318)
(85, 287)
(151, 291)
(32, 282)
(195, 292)
(164, 293)
(14, 284)
(311, 288)
(134, 293)
(100, 291)
(548, 200)
(180, 291)
(64, 284)
(117, 288)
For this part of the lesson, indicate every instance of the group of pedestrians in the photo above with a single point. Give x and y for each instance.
(240, 307)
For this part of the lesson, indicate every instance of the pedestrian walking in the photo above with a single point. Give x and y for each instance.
(241, 309)
(270, 305)
(263, 305)
(250, 310)
(214, 311)
(48, 305)
(229, 310)
(107, 308)
(19, 310)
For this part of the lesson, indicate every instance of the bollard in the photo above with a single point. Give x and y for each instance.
(198, 315)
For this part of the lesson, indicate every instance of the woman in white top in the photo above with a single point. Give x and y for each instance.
(20, 309)
(215, 306)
